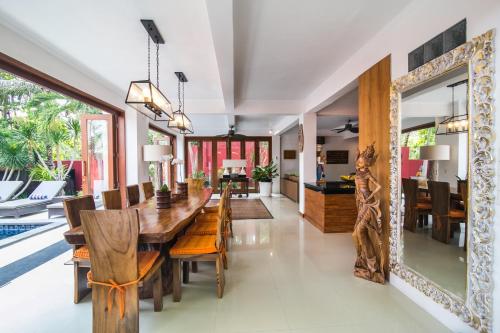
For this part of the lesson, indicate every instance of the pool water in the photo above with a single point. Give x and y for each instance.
(9, 230)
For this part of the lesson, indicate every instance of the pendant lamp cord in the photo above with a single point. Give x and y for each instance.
(158, 65)
(149, 59)
(179, 94)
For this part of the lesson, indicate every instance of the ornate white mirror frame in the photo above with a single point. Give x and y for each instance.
(478, 55)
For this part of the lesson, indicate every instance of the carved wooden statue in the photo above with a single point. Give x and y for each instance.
(367, 233)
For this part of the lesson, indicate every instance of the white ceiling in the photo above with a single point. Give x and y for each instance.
(108, 39)
(242, 57)
(286, 48)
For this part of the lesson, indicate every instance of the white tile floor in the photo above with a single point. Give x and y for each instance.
(284, 276)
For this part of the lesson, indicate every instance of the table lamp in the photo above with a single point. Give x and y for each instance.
(157, 154)
(433, 154)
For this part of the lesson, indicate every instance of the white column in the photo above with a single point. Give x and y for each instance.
(275, 156)
(136, 129)
(307, 159)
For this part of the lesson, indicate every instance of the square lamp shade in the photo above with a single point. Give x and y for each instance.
(181, 122)
(156, 153)
(435, 153)
(146, 98)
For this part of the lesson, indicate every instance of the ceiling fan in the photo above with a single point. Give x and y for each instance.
(348, 127)
(232, 135)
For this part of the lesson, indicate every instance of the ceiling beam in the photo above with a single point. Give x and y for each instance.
(220, 15)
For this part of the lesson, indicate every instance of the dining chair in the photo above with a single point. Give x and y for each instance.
(463, 187)
(443, 216)
(415, 207)
(118, 269)
(207, 224)
(194, 248)
(133, 195)
(81, 260)
(112, 199)
(148, 190)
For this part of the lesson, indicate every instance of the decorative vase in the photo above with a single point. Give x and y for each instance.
(265, 189)
(163, 199)
(182, 190)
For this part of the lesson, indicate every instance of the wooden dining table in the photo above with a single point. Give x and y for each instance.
(159, 228)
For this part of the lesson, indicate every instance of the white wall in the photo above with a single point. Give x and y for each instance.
(307, 164)
(334, 171)
(290, 141)
(136, 129)
(457, 165)
(417, 23)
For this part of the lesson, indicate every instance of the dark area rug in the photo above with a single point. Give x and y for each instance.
(247, 209)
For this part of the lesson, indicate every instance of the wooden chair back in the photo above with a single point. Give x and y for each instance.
(410, 190)
(73, 206)
(440, 197)
(112, 237)
(148, 190)
(222, 220)
(133, 195)
(112, 199)
(463, 189)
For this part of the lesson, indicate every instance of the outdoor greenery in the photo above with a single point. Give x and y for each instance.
(417, 139)
(39, 129)
(265, 173)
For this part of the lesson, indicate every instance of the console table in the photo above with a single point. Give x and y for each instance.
(244, 181)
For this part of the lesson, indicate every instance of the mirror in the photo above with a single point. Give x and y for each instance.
(434, 172)
(445, 251)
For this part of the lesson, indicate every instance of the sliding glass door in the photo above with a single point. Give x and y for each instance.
(204, 156)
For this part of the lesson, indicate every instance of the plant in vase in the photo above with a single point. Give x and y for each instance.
(265, 175)
(163, 197)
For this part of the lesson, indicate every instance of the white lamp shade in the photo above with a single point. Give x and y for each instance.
(234, 163)
(435, 153)
(156, 153)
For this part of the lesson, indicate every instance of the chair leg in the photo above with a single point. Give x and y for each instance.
(220, 276)
(194, 266)
(185, 272)
(80, 289)
(224, 260)
(158, 292)
(176, 283)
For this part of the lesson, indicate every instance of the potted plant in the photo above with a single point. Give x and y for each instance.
(163, 197)
(264, 175)
(198, 179)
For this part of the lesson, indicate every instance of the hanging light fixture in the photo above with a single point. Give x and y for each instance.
(456, 123)
(180, 121)
(143, 95)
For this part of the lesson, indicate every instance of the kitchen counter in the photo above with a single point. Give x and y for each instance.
(332, 187)
(331, 206)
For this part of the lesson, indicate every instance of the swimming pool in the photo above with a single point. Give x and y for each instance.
(9, 230)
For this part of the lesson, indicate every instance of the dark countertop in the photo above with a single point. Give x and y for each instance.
(338, 187)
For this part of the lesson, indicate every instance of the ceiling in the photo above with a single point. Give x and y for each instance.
(286, 48)
(242, 58)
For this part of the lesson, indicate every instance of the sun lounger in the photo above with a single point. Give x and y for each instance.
(36, 202)
(8, 189)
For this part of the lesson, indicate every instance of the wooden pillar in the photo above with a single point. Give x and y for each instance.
(374, 123)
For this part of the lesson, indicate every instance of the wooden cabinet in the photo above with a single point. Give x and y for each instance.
(330, 212)
(290, 188)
